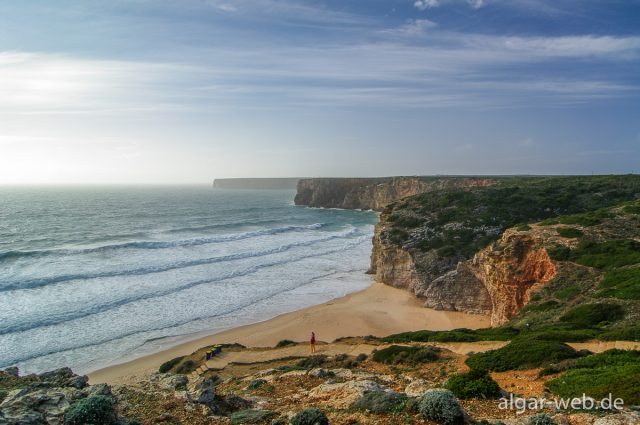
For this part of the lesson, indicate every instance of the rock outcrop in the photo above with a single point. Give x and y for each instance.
(497, 281)
(374, 193)
(511, 270)
(45, 398)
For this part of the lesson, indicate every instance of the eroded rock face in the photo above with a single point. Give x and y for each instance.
(511, 270)
(372, 193)
(499, 280)
(458, 290)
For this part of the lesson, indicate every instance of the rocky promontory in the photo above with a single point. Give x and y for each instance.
(473, 251)
(374, 193)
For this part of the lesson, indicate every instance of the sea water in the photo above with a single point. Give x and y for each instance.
(90, 276)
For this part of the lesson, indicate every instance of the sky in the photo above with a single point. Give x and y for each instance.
(185, 91)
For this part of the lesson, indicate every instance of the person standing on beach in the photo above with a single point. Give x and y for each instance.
(312, 342)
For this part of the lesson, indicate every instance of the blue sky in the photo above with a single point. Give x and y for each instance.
(181, 91)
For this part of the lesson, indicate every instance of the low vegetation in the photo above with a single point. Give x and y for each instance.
(522, 353)
(456, 335)
(442, 407)
(381, 402)
(474, 384)
(312, 362)
(480, 215)
(569, 232)
(96, 409)
(614, 372)
(397, 354)
(168, 365)
(311, 416)
(542, 419)
(251, 416)
(606, 255)
(589, 315)
(622, 283)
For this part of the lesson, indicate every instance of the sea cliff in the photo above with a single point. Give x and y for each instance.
(462, 244)
(472, 251)
(374, 193)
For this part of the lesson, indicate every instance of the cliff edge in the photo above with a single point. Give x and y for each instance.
(374, 193)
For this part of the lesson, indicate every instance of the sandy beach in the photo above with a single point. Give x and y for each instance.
(378, 310)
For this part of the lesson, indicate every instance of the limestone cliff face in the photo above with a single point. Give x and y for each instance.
(373, 193)
(511, 270)
(499, 280)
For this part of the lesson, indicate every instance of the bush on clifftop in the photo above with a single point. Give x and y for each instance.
(95, 410)
(396, 354)
(474, 384)
(441, 406)
(522, 353)
(310, 417)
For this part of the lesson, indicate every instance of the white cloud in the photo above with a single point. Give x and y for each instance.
(227, 7)
(414, 27)
(476, 4)
(41, 83)
(426, 4)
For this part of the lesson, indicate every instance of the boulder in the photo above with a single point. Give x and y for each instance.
(343, 394)
(417, 388)
(169, 381)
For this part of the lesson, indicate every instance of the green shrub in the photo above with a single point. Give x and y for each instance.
(545, 306)
(441, 406)
(569, 232)
(94, 410)
(381, 402)
(632, 209)
(621, 283)
(167, 366)
(456, 335)
(312, 362)
(508, 202)
(310, 417)
(626, 333)
(562, 333)
(605, 255)
(567, 292)
(285, 343)
(186, 367)
(396, 354)
(522, 353)
(446, 251)
(590, 218)
(251, 416)
(593, 314)
(474, 384)
(542, 419)
(562, 366)
(614, 372)
(523, 227)
(361, 357)
(255, 384)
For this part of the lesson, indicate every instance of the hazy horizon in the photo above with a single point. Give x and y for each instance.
(183, 92)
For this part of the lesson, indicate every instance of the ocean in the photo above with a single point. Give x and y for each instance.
(90, 276)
